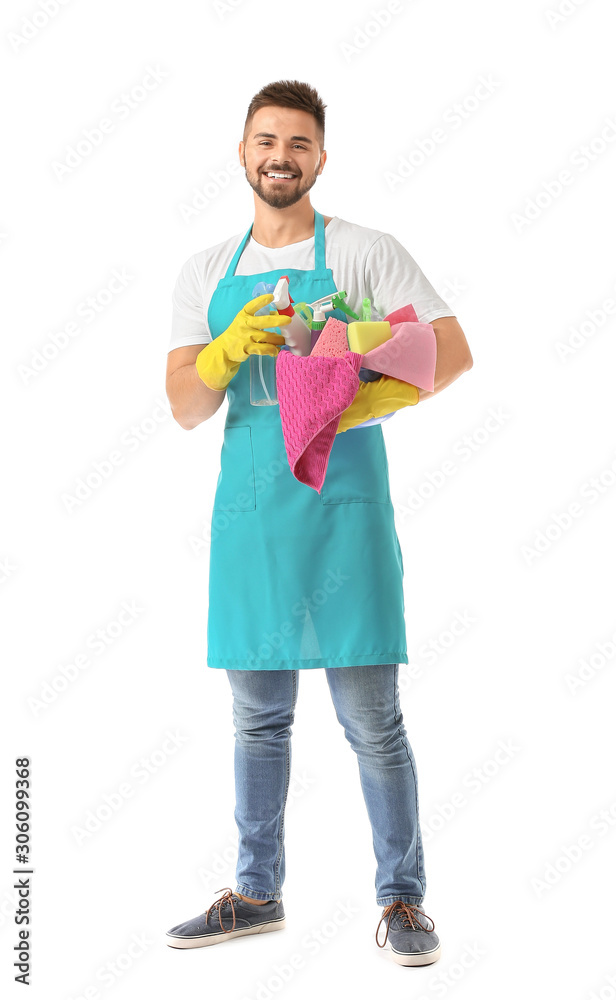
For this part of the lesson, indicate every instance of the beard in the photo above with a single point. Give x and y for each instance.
(283, 195)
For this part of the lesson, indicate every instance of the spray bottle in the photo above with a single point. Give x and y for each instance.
(297, 335)
(297, 332)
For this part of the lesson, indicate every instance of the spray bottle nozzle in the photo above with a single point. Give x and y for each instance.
(334, 301)
(321, 302)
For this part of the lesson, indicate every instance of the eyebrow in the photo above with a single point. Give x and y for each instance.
(272, 135)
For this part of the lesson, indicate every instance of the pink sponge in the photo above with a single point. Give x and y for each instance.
(333, 341)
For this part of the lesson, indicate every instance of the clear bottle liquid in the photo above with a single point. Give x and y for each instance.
(263, 391)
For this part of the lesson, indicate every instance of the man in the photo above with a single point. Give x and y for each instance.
(301, 579)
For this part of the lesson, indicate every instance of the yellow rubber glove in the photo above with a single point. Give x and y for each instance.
(375, 399)
(219, 360)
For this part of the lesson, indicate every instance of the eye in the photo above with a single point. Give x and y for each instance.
(266, 142)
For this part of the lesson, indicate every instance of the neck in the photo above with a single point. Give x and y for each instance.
(277, 227)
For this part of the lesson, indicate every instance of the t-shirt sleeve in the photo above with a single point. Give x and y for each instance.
(188, 323)
(393, 279)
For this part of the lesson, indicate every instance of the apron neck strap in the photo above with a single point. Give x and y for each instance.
(319, 246)
(319, 242)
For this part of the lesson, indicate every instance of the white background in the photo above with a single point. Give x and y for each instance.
(524, 266)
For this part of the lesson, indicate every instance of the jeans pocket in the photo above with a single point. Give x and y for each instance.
(235, 489)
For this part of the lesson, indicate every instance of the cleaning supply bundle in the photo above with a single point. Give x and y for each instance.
(352, 375)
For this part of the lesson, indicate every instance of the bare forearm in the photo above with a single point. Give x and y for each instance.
(446, 379)
(453, 356)
(192, 401)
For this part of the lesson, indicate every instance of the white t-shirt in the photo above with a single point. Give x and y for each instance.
(364, 262)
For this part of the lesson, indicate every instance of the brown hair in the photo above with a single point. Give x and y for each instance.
(289, 94)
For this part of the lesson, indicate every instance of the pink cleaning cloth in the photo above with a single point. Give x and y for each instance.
(410, 355)
(312, 393)
(405, 314)
(333, 341)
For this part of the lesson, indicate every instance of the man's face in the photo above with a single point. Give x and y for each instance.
(284, 141)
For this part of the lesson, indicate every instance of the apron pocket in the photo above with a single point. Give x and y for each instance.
(357, 471)
(235, 490)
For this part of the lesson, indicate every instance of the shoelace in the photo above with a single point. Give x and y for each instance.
(218, 907)
(409, 919)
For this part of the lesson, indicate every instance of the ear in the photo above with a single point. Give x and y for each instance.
(241, 153)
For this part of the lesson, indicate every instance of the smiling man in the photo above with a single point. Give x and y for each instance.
(276, 187)
(301, 579)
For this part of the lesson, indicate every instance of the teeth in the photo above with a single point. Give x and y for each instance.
(271, 174)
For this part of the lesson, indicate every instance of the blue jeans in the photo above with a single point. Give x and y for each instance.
(366, 700)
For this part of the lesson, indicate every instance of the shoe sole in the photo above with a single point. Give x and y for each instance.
(176, 941)
(418, 958)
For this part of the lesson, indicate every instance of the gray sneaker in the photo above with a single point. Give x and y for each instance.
(230, 917)
(411, 934)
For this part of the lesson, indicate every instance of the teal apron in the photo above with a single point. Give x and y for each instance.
(298, 579)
